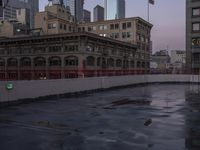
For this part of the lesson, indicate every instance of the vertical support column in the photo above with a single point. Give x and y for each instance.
(6, 68)
(62, 60)
(18, 69)
(62, 67)
(81, 58)
(32, 69)
(47, 67)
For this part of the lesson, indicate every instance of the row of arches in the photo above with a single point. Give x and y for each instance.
(72, 61)
(39, 61)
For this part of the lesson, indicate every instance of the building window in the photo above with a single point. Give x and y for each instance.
(114, 35)
(54, 61)
(90, 61)
(129, 25)
(60, 26)
(110, 62)
(196, 12)
(116, 26)
(89, 29)
(39, 61)
(123, 35)
(129, 34)
(112, 26)
(94, 28)
(196, 42)
(2, 62)
(25, 62)
(71, 48)
(71, 61)
(101, 27)
(65, 27)
(55, 49)
(12, 62)
(124, 26)
(118, 63)
(196, 26)
(51, 26)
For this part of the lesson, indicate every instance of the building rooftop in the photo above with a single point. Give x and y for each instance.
(64, 35)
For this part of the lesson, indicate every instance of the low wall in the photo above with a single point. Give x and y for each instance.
(40, 88)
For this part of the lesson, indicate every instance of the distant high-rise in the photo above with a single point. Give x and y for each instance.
(76, 8)
(10, 11)
(98, 13)
(86, 16)
(193, 36)
(114, 9)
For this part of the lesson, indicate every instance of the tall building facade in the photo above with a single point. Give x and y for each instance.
(69, 55)
(133, 30)
(114, 9)
(10, 11)
(193, 36)
(98, 13)
(76, 8)
(86, 16)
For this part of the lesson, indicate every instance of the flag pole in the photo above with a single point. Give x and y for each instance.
(148, 10)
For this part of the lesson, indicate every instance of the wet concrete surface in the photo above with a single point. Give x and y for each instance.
(158, 117)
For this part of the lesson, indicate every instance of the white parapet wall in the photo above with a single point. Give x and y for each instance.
(41, 88)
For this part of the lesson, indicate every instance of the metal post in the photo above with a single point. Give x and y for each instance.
(148, 10)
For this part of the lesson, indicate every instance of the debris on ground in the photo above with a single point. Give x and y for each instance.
(148, 122)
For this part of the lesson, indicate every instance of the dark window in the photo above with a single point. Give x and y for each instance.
(116, 26)
(124, 26)
(196, 11)
(112, 26)
(129, 25)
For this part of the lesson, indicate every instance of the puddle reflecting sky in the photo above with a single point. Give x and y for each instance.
(95, 122)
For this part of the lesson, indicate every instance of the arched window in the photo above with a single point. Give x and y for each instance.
(138, 64)
(126, 63)
(143, 64)
(118, 63)
(39, 61)
(2, 62)
(54, 61)
(25, 61)
(110, 62)
(12, 62)
(90, 61)
(132, 64)
(104, 64)
(71, 61)
(148, 65)
(99, 61)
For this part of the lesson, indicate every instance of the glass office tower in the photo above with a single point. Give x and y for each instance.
(114, 9)
(76, 8)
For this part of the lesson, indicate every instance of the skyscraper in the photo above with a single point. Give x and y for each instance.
(98, 13)
(76, 8)
(86, 16)
(193, 36)
(10, 11)
(114, 9)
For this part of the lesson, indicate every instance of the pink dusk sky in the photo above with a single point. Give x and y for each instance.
(167, 16)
